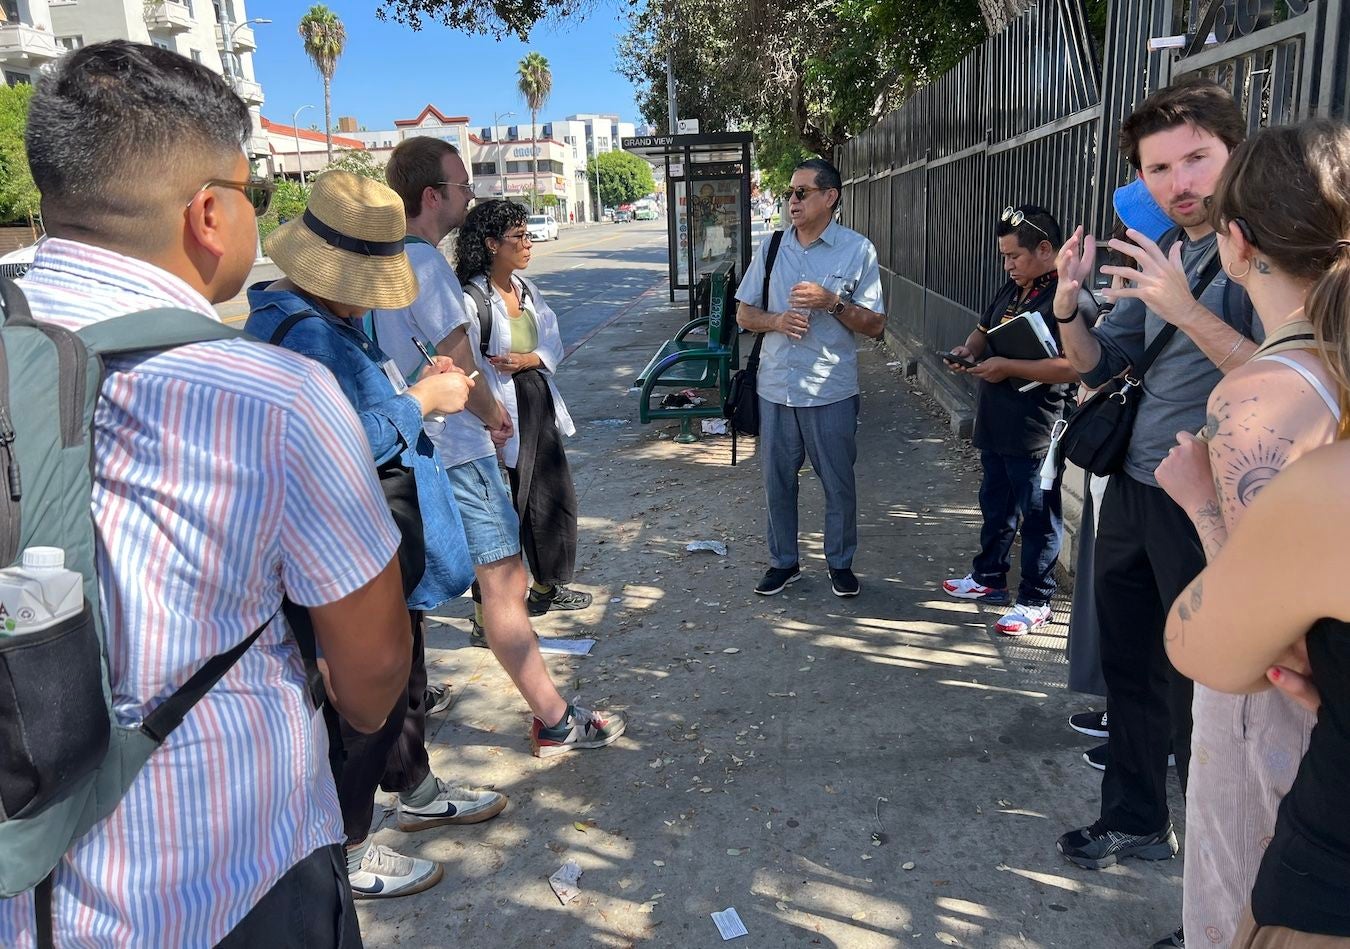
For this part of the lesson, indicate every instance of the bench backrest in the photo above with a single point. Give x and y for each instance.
(722, 305)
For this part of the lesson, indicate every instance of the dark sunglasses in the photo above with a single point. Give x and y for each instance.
(1015, 218)
(258, 190)
(800, 192)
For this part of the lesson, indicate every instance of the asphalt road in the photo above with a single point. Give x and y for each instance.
(588, 275)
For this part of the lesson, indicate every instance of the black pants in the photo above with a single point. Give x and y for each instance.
(1147, 552)
(541, 484)
(310, 907)
(393, 758)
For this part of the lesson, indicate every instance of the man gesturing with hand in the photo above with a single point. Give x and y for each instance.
(824, 287)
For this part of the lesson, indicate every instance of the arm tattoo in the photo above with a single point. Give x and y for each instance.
(1241, 473)
(1213, 531)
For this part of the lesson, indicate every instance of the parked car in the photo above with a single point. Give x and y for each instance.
(16, 263)
(608, 215)
(541, 227)
(623, 215)
(645, 213)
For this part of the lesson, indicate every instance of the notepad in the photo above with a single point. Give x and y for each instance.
(1025, 336)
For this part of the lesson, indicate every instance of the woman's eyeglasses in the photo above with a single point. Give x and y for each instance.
(1015, 218)
(258, 191)
(519, 237)
(800, 192)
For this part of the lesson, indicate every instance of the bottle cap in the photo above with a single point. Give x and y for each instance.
(44, 558)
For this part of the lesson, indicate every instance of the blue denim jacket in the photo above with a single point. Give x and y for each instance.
(393, 425)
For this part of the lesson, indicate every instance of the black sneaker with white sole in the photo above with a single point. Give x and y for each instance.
(1096, 847)
(1096, 758)
(776, 578)
(1173, 940)
(844, 583)
(1092, 724)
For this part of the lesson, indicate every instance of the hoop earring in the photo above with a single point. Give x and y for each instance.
(1239, 276)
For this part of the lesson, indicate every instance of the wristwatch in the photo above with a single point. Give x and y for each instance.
(838, 307)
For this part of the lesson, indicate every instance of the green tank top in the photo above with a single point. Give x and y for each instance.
(524, 330)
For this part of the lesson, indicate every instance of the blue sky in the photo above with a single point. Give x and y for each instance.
(390, 72)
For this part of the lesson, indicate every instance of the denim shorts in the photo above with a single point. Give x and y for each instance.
(490, 522)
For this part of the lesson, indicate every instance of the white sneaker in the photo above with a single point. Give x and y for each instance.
(1022, 619)
(965, 588)
(452, 805)
(385, 873)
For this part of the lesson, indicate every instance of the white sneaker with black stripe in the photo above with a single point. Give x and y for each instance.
(384, 874)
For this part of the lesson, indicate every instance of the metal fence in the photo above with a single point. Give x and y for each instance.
(1032, 117)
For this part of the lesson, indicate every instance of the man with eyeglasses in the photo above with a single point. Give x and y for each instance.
(226, 475)
(1012, 429)
(824, 287)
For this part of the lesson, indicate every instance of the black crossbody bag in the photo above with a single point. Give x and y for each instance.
(1097, 437)
(742, 407)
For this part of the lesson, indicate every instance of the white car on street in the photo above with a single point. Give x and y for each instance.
(541, 227)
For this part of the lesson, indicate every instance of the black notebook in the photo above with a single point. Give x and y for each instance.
(1025, 336)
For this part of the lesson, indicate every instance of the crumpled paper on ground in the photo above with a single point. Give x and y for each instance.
(564, 882)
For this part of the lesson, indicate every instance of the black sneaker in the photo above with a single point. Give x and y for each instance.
(477, 635)
(437, 698)
(775, 578)
(557, 598)
(1096, 757)
(1092, 724)
(1176, 940)
(1096, 848)
(844, 583)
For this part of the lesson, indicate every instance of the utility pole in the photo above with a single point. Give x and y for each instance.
(670, 88)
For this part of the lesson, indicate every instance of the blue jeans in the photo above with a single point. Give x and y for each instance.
(1011, 488)
(826, 434)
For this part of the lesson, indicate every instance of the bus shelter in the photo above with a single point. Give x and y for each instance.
(708, 216)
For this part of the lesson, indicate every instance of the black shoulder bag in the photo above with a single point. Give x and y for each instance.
(1097, 437)
(742, 407)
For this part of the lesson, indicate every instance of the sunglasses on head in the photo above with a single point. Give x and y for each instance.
(800, 192)
(258, 190)
(1015, 218)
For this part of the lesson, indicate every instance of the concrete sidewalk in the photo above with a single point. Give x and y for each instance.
(771, 737)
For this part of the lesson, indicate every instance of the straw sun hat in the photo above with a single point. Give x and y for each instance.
(348, 245)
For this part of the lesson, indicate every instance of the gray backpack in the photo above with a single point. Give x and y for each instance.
(65, 762)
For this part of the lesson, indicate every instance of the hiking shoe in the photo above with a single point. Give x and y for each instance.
(437, 698)
(477, 635)
(965, 588)
(1022, 619)
(1096, 758)
(844, 583)
(775, 578)
(579, 728)
(384, 874)
(1092, 724)
(1176, 940)
(453, 805)
(1096, 848)
(558, 598)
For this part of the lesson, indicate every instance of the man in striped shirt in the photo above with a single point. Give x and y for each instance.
(227, 475)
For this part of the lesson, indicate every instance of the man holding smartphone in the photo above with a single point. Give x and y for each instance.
(808, 374)
(1012, 429)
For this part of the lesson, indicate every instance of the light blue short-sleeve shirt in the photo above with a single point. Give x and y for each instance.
(822, 367)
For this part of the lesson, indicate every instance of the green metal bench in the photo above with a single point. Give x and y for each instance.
(683, 363)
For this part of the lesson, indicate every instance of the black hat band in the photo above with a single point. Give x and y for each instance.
(336, 238)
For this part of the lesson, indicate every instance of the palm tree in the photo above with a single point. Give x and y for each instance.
(325, 38)
(535, 84)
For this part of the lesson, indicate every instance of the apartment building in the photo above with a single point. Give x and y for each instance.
(219, 35)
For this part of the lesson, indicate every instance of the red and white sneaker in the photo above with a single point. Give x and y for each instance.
(965, 588)
(1022, 619)
(579, 728)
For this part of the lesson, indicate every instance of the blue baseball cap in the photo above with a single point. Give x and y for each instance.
(1137, 209)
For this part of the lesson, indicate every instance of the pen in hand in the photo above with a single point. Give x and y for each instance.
(425, 350)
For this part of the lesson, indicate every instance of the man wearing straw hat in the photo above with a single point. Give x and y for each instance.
(211, 505)
(430, 177)
(341, 258)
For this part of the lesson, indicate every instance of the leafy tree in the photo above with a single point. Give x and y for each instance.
(359, 162)
(624, 177)
(535, 83)
(540, 200)
(289, 201)
(777, 153)
(325, 39)
(19, 197)
(496, 18)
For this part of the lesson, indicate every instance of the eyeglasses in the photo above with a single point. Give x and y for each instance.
(1016, 218)
(456, 184)
(800, 192)
(258, 190)
(521, 237)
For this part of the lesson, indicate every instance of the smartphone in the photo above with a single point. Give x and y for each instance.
(956, 360)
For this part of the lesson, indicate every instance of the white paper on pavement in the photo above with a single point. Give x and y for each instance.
(564, 882)
(729, 924)
(566, 647)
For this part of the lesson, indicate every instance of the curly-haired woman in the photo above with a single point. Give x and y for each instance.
(522, 341)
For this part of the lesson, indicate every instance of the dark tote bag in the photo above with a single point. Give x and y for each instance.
(742, 406)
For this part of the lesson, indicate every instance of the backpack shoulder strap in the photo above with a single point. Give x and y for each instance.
(769, 258)
(161, 328)
(286, 325)
(484, 308)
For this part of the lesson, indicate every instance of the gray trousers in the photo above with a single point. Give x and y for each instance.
(827, 434)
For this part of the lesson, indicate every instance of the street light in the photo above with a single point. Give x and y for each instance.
(501, 172)
(295, 127)
(599, 202)
(228, 60)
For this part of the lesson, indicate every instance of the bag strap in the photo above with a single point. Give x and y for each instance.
(169, 714)
(484, 308)
(769, 258)
(15, 304)
(160, 328)
(286, 325)
(1204, 278)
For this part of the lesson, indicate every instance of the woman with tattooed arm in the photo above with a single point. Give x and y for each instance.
(1282, 214)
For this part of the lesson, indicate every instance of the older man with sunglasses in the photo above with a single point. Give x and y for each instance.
(824, 286)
